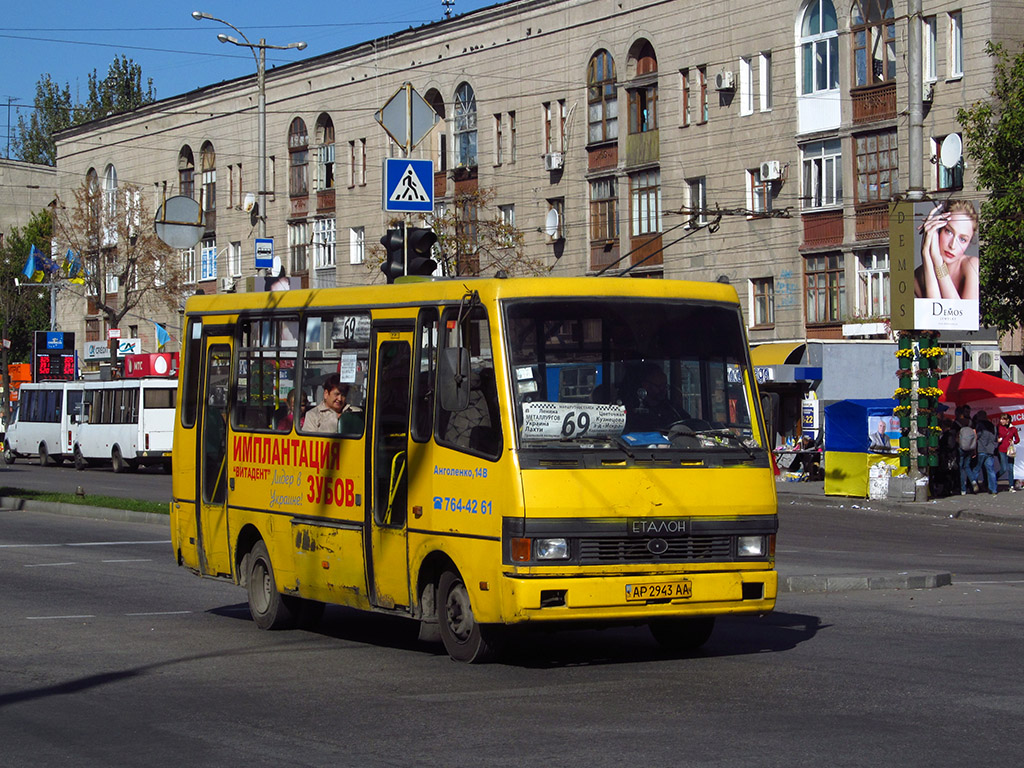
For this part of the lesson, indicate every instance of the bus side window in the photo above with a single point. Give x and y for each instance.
(267, 359)
(190, 373)
(477, 428)
(425, 375)
(336, 345)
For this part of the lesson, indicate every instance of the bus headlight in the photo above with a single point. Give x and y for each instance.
(750, 546)
(552, 549)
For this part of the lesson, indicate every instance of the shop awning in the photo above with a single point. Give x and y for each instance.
(777, 353)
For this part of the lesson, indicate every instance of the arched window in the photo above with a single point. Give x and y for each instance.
(186, 172)
(439, 153)
(110, 192)
(298, 158)
(324, 152)
(465, 126)
(92, 184)
(873, 30)
(643, 88)
(602, 101)
(819, 48)
(208, 159)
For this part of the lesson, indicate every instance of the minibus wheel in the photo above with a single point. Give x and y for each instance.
(44, 455)
(117, 460)
(80, 461)
(8, 454)
(268, 607)
(682, 634)
(463, 638)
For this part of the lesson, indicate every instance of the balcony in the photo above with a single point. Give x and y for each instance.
(822, 229)
(325, 201)
(602, 254)
(872, 221)
(645, 246)
(299, 207)
(874, 102)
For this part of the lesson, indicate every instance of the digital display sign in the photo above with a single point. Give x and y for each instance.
(54, 357)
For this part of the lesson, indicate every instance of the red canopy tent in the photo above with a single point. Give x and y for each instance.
(982, 391)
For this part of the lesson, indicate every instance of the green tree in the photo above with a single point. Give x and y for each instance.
(53, 109)
(23, 310)
(994, 140)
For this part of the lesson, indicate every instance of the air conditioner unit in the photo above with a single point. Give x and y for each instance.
(553, 161)
(771, 170)
(928, 92)
(227, 285)
(985, 359)
(725, 81)
(951, 361)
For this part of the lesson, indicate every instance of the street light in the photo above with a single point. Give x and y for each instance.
(260, 58)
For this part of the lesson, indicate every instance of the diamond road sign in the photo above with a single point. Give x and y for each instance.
(408, 185)
(407, 117)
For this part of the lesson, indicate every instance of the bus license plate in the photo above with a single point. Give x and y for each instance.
(667, 590)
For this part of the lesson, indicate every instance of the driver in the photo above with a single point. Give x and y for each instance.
(654, 410)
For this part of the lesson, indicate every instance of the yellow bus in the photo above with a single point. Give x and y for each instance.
(487, 453)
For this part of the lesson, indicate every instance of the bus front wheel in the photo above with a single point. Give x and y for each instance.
(682, 635)
(8, 454)
(117, 461)
(269, 608)
(80, 461)
(463, 638)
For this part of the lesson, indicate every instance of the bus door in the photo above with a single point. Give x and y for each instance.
(212, 458)
(388, 570)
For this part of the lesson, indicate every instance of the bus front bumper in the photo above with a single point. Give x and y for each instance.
(637, 597)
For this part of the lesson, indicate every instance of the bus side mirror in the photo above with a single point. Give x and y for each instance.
(453, 378)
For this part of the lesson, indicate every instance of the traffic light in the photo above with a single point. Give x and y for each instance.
(420, 242)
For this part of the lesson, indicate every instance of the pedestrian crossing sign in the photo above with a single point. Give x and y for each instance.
(408, 185)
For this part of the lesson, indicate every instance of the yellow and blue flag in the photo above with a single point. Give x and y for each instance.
(72, 268)
(162, 337)
(34, 266)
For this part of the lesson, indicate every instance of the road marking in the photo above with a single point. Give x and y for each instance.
(970, 583)
(47, 565)
(48, 618)
(83, 544)
(135, 560)
(160, 613)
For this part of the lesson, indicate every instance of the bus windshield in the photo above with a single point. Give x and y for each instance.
(627, 372)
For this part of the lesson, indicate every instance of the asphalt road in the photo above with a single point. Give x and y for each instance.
(148, 483)
(111, 655)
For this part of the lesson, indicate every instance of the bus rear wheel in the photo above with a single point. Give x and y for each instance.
(463, 637)
(81, 463)
(44, 455)
(8, 454)
(117, 460)
(682, 635)
(268, 607)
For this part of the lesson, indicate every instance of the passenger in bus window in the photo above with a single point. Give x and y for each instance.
(286, 415)
(324, 417)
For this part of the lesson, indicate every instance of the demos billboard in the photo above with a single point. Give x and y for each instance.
(933, 250)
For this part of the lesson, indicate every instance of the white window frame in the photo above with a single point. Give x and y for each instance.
(873, 287)
(762, 316)
(645, 202)
(956, 45)
(697, 198)
(187, 257)
(507, 216)
(764, 61)
(816, 43)
(356, 245)
(208, 259)
(746, 86)
(324, 243)
(235, 259)
(821, 175)
(928, 38)
(298, 238)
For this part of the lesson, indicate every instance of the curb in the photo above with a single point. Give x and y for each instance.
(72, 510)
(854, 583)
(933, 508)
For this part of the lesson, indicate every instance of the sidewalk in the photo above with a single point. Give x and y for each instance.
(1004, 507)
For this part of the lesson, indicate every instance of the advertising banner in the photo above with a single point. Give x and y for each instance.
(933, 249)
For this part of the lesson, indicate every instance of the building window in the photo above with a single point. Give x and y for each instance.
(465, 126)
(826, 288)
(702, 78)
(765, 84)
(186, 172)
(947, 179)
(819, 48)
(956, 44)
(876, 166)
(324, 153)
(208, 159)
(928, 39)
(759, 192)
(110, 195)
(324, 238)
(298, 244)
(873, 283)
(645, 199)
(822, 176)
(507, 219)
(746, 86)
(511, 137)
(697, 199)
(604, 219)
(684, 94)
(235, 259)
(498, 140)
(208, 260)
(602, 99)
(873, 29)
(188, 264)
(557, 204)
(356, 245)
(762, 301)
(298, 159)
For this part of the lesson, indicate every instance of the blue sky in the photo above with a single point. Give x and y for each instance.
(69, 39)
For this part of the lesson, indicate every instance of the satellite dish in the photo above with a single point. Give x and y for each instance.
(951, 151)
(551, 224)
(179, 222)
(249, 203)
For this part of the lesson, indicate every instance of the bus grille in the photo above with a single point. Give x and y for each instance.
(680, 550)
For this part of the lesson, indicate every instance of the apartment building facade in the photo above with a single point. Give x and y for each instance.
(759, 145)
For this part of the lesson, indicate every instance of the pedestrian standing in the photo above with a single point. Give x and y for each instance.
(967, 447)
(1008, 439)
(987, 445)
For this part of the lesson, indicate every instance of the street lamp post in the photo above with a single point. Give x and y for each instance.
(261, 59)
